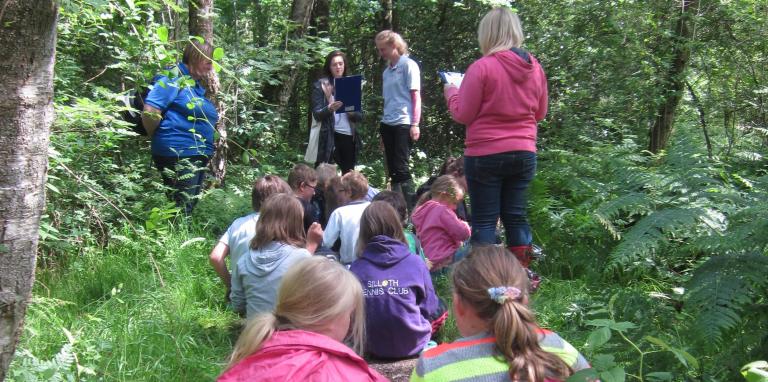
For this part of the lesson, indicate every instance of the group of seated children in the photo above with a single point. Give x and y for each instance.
(379, 297)
(318, 328)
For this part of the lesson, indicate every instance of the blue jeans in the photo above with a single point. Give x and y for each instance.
(498, 187)
(184, 176)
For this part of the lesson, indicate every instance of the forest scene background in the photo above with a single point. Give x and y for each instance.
(650, 198)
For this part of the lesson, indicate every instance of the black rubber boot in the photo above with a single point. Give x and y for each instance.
(406, 188)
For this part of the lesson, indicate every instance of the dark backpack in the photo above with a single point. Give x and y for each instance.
(134, 102)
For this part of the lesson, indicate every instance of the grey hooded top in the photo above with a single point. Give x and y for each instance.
(257, 276)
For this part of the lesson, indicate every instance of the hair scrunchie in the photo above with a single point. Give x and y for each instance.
(503, 293)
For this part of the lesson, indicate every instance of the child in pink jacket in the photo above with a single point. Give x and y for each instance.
(441, 232)
(319, 309)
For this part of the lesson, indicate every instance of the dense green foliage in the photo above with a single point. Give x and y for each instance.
(655, 264)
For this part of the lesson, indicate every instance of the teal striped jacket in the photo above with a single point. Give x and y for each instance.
(476, 359)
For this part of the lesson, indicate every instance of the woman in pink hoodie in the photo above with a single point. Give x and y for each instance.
(501, 99)
(320, 305)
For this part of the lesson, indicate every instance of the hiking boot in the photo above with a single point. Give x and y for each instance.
(534, 279)
(527, 253)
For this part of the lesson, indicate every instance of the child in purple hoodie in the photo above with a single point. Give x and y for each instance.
(400, 301)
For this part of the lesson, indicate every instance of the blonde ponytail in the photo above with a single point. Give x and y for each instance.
(257, 330)
(512, 323)
(313, 295)
(444, 185)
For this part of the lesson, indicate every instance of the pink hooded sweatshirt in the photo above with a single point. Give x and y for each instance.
(441, 232)
(299, 355)
(501, 99)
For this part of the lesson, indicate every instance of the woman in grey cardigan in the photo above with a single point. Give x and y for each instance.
(338, 141)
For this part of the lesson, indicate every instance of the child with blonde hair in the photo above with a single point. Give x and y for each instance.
(501, 340)
(280, 242)
(319, 308)
(441, 232)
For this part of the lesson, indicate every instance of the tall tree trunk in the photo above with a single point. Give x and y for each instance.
(386, 15)
(702, 117)
(201, 24)
(260, 28)
(321, 15)
(673, 84)
(28, 36)
(320, 23)
(301, 12)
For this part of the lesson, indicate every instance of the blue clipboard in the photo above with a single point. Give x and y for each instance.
(348, 90)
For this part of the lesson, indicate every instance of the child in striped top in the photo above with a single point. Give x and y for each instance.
(501, 340)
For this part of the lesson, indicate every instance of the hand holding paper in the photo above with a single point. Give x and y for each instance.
(451, 78)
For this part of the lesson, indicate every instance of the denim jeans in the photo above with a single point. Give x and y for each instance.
(184, 176)
(498, 187)
(397, 150)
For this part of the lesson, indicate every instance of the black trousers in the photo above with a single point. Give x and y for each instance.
(344, 152)
(397, 150)
(184, 176)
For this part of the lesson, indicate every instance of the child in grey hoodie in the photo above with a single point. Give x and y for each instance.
(280, 242)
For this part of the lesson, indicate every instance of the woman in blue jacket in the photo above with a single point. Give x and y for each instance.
(181, 120)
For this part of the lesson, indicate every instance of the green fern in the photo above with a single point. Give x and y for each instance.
(29, 368)
(633, 203)
(643, 241)
(722, 291)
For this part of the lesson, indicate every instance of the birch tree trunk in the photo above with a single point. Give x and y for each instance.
(28, 36)
(201, 14)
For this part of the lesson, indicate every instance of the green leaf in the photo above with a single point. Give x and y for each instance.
(755, 371)
(603, 361)
(245, 158)
(162, 33)
(622, 326)
(602, 322)
(598, 337)
(683, 356)
(659, 376)
(52, 188)
(617, 374)
(586, 375)
(218, 54)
